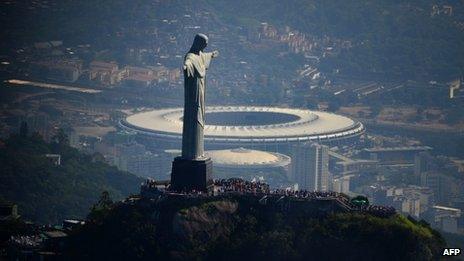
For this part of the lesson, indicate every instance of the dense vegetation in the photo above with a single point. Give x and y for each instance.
(46, 193)
(235, 228)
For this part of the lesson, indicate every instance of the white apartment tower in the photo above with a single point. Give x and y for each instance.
(310, 166)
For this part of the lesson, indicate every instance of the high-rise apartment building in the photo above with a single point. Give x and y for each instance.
(310, 167)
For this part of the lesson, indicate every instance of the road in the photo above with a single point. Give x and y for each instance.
(52, 86)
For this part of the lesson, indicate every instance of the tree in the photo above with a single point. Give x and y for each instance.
(102, 208)
(61, 138)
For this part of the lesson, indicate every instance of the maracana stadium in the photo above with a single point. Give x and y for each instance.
(246, 126)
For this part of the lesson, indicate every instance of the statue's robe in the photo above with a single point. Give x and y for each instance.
(195, 66)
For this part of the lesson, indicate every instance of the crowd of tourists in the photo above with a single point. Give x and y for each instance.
(150, 183)
(241, 186)
(248, 187)
(380, 211)
(26, 241)
(307, 194)
(245, 187)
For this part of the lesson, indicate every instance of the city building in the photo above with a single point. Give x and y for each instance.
(346, 166)
(146, 76)
(71, 224)
(458, 164)
(106, 73)
(409, 205)
(142, 165)
(436, 182)
(341, 184)
(422, 163)
(57, 70)
(135, 158)
(40, 123)
(130, 149)
(55, 159)
(133, 70)
(446, 218)
(459, 204)
(410, 200)
(140, 80)
(311, 166)
(395, 155)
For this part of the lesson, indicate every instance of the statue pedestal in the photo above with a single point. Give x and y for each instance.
(188, 175)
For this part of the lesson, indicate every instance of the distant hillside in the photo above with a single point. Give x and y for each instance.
(413, 39)
(46, 193)
(390, 39)
(237, 227)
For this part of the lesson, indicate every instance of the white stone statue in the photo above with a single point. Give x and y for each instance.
(196, 62)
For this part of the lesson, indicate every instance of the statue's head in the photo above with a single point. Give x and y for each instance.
(199, 43)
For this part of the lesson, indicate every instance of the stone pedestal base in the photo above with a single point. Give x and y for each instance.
(188, 175)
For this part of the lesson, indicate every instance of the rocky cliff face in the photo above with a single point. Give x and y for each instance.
(207, 222)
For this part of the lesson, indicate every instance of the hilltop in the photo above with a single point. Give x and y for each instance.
(232, 227)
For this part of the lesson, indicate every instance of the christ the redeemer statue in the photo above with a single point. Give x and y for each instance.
(192, 170)
(196, 63)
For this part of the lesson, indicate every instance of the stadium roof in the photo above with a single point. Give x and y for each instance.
(241, 157)
(249, 124)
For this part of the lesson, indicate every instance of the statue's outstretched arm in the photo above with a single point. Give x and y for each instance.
(207, 57)
(212, 54)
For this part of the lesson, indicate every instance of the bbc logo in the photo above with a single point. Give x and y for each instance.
(451, 252)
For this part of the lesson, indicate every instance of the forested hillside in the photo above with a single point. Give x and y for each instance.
(46, 193)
